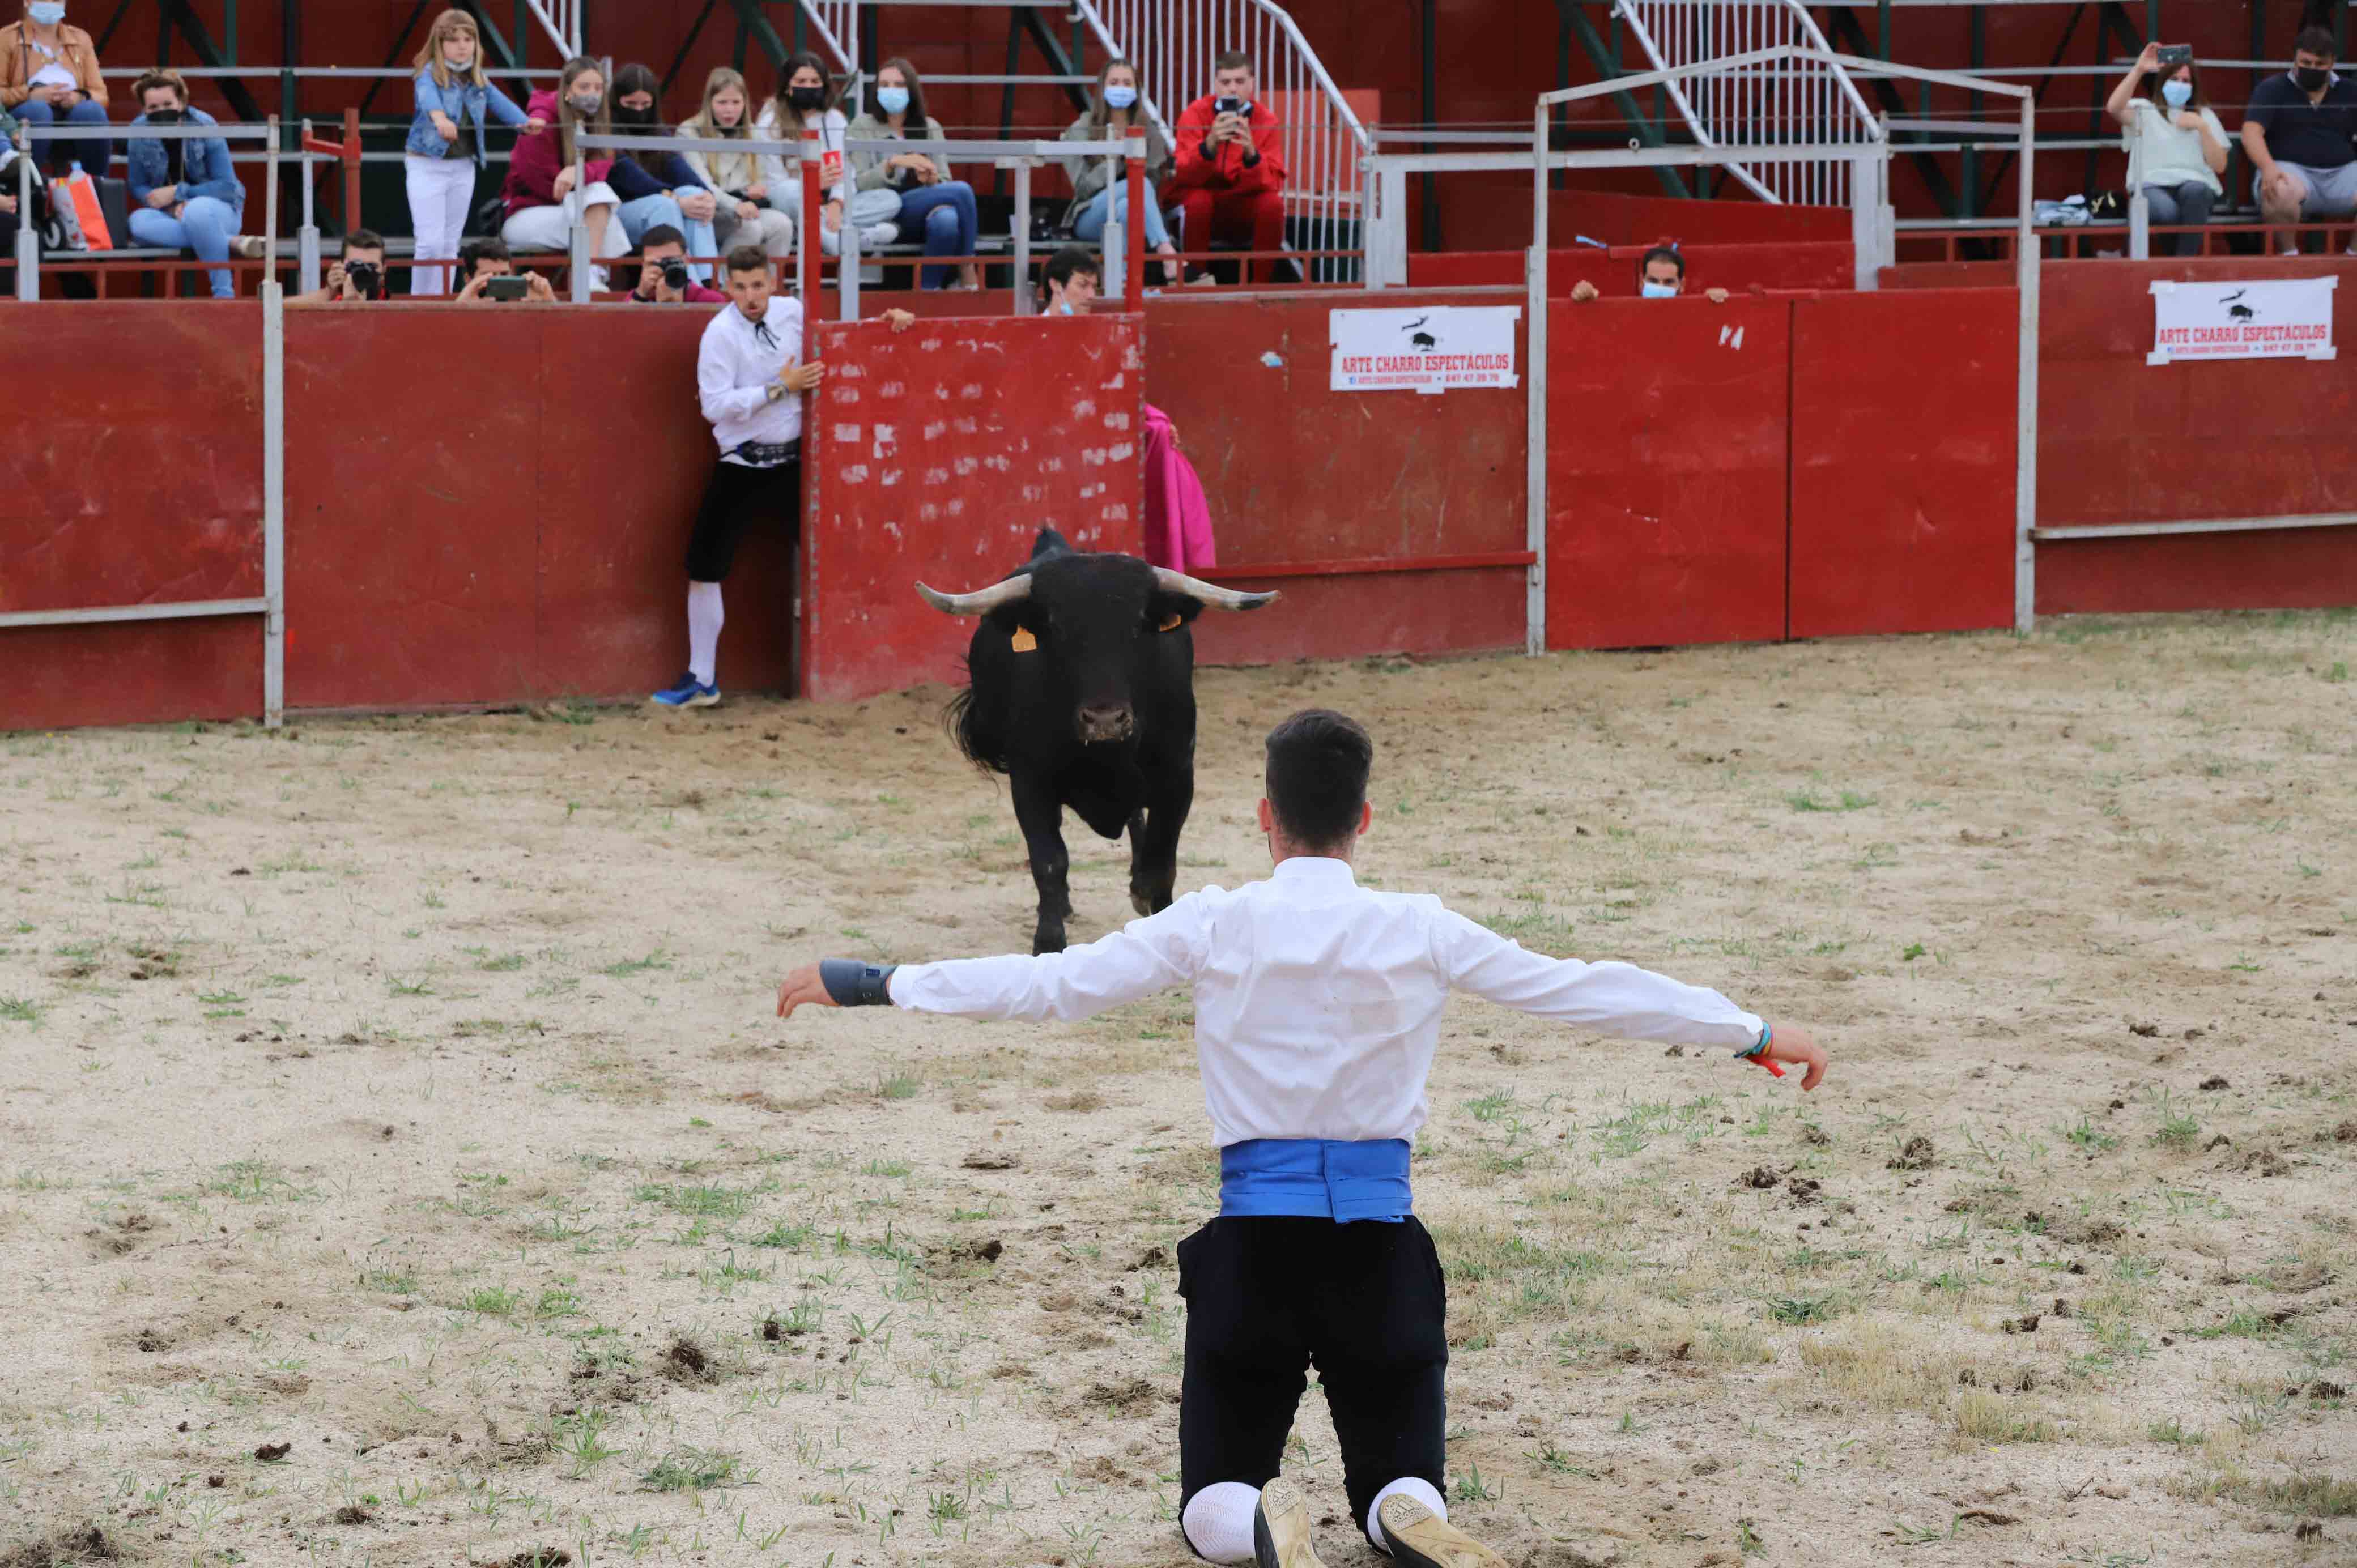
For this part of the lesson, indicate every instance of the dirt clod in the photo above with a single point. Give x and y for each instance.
(2309, 1529)
(271, 1453)
(352, 1513)
(1760, 1178)
(539, 1557)
(991, 1160)
(686, 1359)
(1917, 1155)
(2214, 1083)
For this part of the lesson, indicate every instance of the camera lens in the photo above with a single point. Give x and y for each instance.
(674, 276)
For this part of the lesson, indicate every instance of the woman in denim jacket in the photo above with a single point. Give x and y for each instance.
(444, 152)
(186, 192)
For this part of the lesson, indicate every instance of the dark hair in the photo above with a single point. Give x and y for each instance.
(749, 258)
(914, 119)
(1068, 264)
(637, 77)
(363, 239)
(474, 253)
(1661, 253)
(1318, 766)
(660, 235)
(781, 108)
(2316, 41)
(1232, 61)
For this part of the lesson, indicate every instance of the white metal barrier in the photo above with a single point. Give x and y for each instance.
(1744, 92)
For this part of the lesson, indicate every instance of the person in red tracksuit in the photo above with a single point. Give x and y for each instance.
(1231, 176)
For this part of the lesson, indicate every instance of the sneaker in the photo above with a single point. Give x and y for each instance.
(1281, 1527)
(875, 236)
(1420, 1538)
(687, 691)
(249, 247)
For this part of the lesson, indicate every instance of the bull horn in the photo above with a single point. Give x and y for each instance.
(982, 601)
(1209, 596)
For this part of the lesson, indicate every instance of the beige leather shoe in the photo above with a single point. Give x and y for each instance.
(1281, 1527)
(1421, 1539)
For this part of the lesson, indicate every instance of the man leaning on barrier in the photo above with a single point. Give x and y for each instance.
(1660, 274)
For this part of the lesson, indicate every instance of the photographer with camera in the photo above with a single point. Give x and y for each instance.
(663, 276)
(357, 277)
(490, 273)
(1230, 178)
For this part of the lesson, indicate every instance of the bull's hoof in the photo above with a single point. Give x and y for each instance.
(1141, 903)
(1046, 941)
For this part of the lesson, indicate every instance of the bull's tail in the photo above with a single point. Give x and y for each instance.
(968, 728)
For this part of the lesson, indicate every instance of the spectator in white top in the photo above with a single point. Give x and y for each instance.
(749, 380)
(747, 202)
(803, 104)
(2177, 148)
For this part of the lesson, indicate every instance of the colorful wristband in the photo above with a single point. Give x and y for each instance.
(1767, 1033)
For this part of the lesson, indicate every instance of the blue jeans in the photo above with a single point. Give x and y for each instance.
(944, 215)
(2170, 205)
(646, 212)
(92, 154)
(1089, 226)
(203, 226)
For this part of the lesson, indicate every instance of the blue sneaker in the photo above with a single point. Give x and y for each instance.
(688, 692)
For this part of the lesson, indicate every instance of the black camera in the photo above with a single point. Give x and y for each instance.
(675, 275)
(364, 276)
(1232, 106)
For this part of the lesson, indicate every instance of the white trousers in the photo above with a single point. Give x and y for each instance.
(551, 228)
(440, 191)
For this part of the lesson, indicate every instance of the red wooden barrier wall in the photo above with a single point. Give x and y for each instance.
(1802, 264)
(941, 454)
(132, 465)
(1666, 463)
(1296, 472)
(1902, 490)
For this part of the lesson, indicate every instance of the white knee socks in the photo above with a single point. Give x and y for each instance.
(1219, 1521)
(1416, 1487)
(703, 621)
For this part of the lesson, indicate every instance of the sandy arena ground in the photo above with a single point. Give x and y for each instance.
(399, 1162)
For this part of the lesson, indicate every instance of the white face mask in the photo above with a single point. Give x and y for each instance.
(47, 13)
(2179, 93)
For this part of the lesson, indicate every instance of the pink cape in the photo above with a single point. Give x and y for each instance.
(1177, 517)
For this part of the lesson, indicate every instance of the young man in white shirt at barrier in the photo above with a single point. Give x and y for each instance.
(749, 382)
(1318, 1009)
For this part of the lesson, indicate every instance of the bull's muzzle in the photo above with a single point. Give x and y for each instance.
(1106, 723)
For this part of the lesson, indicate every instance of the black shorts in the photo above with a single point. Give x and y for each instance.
(1269, 1298)
(737, 497)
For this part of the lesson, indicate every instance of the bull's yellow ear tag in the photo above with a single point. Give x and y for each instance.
(1170, 622)
(1024, 642)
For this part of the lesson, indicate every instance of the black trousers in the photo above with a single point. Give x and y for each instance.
(738, 497)
(1269, 1297)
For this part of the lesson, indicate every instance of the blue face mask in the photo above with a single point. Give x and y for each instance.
(1063, 307)
(2179, 93)
(47, 13)
(1120, 97)
(892, 100)
(1653, 290)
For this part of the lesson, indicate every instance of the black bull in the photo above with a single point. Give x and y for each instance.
(1081, 691)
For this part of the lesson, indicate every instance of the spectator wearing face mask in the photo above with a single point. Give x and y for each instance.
(48, 76)
(749, 213)
(188, 193)
(934, 206)
(1660, 274)
(444, 152)
(2299, 131)
(540, 191)
(356, 276)
(803, 104)
(1100, 187)
(2177, 148)
(658, 188)
(662, 277)
(481, 260)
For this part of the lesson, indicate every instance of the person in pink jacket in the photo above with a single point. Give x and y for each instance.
(540, 193)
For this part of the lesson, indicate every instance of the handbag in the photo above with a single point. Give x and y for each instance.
(76, 201)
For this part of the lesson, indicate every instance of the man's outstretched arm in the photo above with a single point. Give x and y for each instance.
(1142, 958)
(1617, 999)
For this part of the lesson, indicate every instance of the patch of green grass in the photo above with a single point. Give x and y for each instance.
(20, 1010)
(696, 1470)
(793, 1238)
(2088, 1136)
(900, 1086)
(1847, 800)
(1467, 1486)
(492, 1301)
(254, 1181)
(1491, 1106)
(631, 966)
(1804, 1308)
(720, 1202)
(2178, 1131)
(397, 1281)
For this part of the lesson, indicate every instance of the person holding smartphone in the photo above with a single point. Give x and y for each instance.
(2177, 148)
(490, 273)
(1231, 177)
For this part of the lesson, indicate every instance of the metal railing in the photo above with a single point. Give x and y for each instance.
(561, 20)
(1747, 96)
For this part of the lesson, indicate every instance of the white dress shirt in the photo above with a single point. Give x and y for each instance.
(1317, 1002)
(734, 367)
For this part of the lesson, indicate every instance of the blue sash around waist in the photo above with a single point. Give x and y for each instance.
(1316, 1178)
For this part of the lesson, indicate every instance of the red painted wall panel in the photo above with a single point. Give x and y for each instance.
(2291, 568)
(1666, 471)
(941, 453)
(1903, 498)
(1796, 265)
(1383, 612)
(128, 673)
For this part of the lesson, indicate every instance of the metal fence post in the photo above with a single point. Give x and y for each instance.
(846, 269)
(576, 231)
(2139, 226)
(2025, 416)
(28, 244)
(1534, 395)
(1023, 236)
(273, 501)
(307, 238)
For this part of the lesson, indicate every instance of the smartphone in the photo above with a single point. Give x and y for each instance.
(508, 286)
(1231, 106)
(2174, 55)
